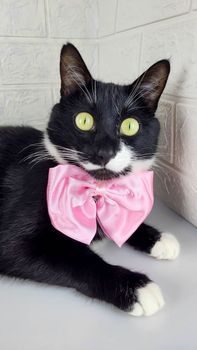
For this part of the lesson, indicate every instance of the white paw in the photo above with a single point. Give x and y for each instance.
(150, 300)
(166, 248)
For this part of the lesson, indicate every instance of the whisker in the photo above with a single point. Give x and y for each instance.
(115, 106)
(93, 85)
(146, 89)
(136, 86)
(34, 155)
(95, 91)
(139, 95)
(69, 149)
(158, 174)
(130, 109)
(31, 145)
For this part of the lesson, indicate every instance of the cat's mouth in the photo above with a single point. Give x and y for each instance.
(105, 174)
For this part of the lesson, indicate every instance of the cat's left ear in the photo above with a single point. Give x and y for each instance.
(73, 70)
(152, 83)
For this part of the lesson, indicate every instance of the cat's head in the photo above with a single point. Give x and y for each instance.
(107, 129)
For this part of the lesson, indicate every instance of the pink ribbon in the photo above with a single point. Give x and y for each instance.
(76, 201)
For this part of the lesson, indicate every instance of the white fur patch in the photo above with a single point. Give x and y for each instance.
(149, 300)
(97, 246)
(166, 248)
(52, 150)
(142, 164)
(122, 159)
(90, 166)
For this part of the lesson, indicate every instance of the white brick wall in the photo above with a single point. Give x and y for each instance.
(73, 19)
(177, 40)
(22, 18)
(117, 61)
(31, 35)
(25, 106)
(194, 4)
(131, 14)
(165, 114)
(118, 39)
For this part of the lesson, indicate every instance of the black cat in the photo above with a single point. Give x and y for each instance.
(30, 247)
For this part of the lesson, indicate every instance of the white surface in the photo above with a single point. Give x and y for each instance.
(38, 317)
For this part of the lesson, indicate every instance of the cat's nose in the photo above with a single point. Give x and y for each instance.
(104, 155)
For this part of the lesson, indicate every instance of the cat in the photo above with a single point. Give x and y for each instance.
(30, 247)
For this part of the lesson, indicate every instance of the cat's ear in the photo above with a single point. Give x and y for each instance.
(152, 83)
(73, 71)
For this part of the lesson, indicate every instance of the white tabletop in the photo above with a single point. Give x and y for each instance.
(39, 317)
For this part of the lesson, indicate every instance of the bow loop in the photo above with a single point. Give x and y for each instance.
(79, 191)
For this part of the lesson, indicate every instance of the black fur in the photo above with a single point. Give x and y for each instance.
(30, 247)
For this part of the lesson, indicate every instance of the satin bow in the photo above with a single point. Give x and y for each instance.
(76, 201)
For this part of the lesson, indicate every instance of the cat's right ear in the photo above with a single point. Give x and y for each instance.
(151, 83)
(73, 70)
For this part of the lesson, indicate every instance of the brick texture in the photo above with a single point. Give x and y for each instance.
(73, 19)
(25, 106)
(165, 114)
(28, 63)
(117, 63)
(179, 191)
(136, 13)
(31, 35)
(106, 23)
(185, 158)
(22, 18)
(178, 42)
(194, 4)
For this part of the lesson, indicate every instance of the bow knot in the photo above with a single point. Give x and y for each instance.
(76, 201)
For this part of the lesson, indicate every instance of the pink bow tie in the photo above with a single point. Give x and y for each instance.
(76, 201)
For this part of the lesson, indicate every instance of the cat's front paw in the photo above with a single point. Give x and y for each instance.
(149, 300)
(166, 248)
(135, 293)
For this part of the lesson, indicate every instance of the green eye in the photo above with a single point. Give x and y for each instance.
(129, 127)
(84, 121)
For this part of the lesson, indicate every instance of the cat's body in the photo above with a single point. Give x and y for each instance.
(30, 247)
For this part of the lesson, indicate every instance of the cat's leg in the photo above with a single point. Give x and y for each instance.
(159, 245)
(61, 261)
